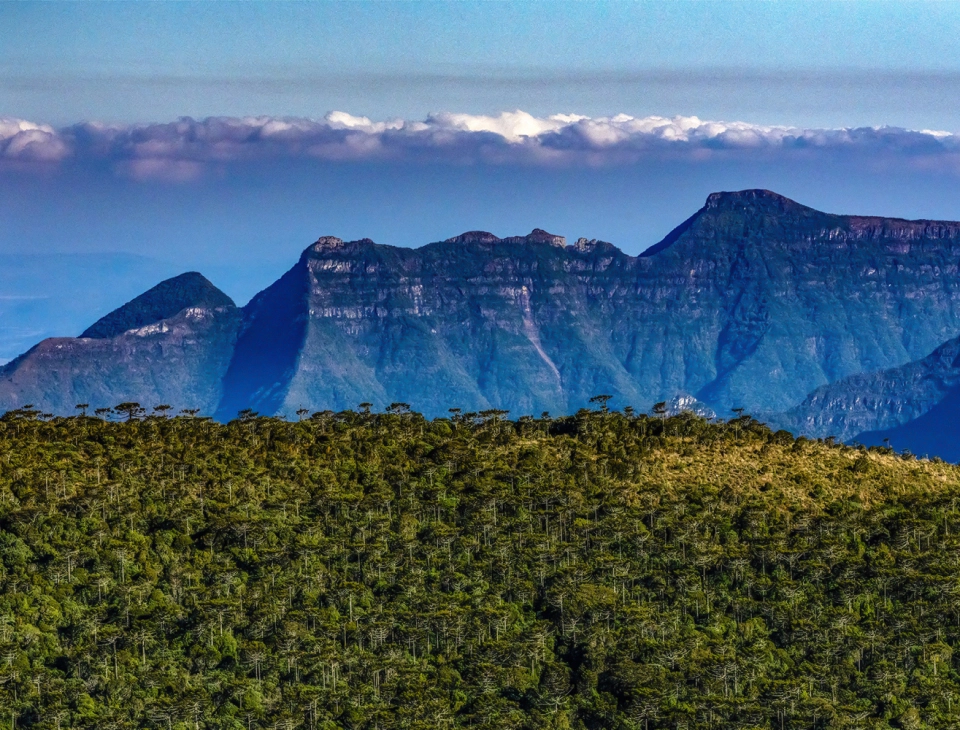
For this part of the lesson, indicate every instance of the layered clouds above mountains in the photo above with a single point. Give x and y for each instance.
(239, 197)
(186, 149)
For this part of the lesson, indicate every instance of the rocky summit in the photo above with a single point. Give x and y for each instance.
(753, 302)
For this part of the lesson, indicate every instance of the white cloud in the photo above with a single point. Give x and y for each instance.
(184, 149)
(512, 126)
(27, 141)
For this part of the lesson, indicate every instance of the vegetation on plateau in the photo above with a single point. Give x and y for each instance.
(379, 570)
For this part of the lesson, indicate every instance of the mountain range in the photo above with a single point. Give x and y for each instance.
(823, 324)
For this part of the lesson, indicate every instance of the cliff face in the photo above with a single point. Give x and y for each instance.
(782, 299)
(753, 302)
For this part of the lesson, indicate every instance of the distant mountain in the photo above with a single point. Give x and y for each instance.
(753, 302)
(851, 408)
(162, 301)
(915, 407)
(175, 352)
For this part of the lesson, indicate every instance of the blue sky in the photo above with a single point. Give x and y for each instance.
(399, 121)
(809, 63)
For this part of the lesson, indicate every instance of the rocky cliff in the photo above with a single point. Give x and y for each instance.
(753, 302)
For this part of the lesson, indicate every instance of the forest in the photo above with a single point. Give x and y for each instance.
(606, 570)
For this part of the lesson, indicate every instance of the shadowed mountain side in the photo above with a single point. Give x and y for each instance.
(935, 433)
(268, 348)
(178, 361)
(162, 301)
(876, 401)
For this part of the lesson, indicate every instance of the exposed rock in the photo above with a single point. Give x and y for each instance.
(474, 237)
(684, 402)
(753, 302)
(162, 301)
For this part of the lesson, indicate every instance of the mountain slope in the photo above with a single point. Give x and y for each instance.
(876, 401)
(179, 359)
(790, 298)
(162, 301)
(935, 432)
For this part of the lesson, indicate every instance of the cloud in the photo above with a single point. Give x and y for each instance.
(186, 149)
(26, 141)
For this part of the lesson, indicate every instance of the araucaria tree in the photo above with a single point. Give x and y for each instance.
(378, 570)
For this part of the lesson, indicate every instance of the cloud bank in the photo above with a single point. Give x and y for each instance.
(187, 149)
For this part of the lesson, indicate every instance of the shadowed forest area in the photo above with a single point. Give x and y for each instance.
(379, 570)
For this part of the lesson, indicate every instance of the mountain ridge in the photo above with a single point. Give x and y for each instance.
(754, 301)
(876, 401)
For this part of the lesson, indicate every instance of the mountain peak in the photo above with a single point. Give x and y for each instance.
(166, 299)
(474, 237)
(537, 235)
(751, 199)
(740, 204)
(326, 242)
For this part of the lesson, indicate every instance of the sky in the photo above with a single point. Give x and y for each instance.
(138, 140)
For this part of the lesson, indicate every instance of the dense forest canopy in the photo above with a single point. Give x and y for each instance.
(379, 570)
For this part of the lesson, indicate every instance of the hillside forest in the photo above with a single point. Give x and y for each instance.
(367, 570)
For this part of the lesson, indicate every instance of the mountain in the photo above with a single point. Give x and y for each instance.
(753, 302)
(915, 407)
(176, 347)
(161, 302)
(851, 408)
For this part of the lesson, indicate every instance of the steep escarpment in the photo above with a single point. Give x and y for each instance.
(475, 322)
(755, 301)
(785, 299)
(268, 346)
